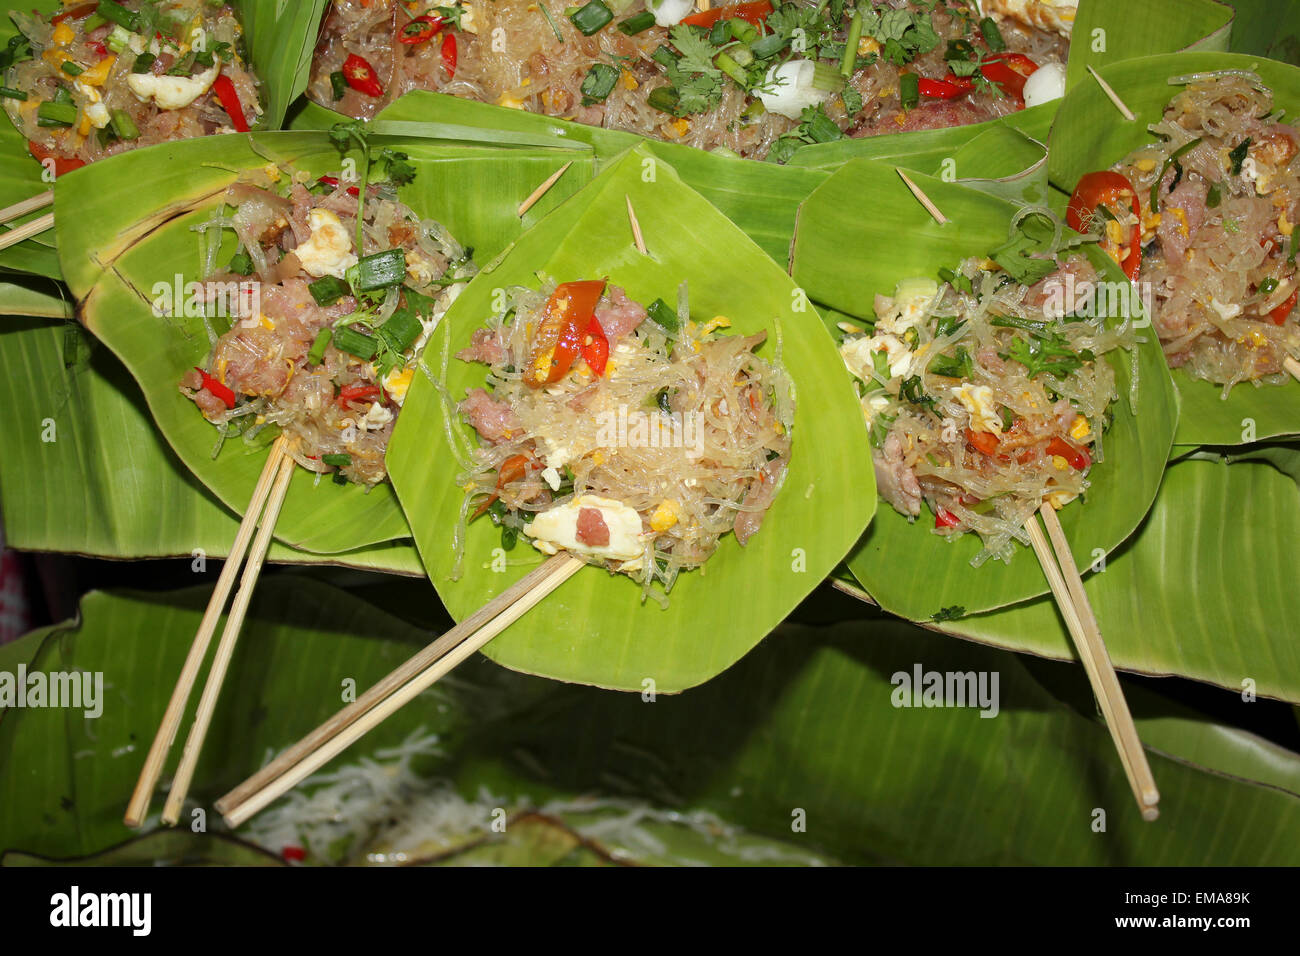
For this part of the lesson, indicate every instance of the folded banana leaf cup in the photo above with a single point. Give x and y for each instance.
(842, 259)
(1089, 134)
(595, 629)
(281, 39)
(114, 255)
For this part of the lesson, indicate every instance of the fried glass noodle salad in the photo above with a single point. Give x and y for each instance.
(985, 396)
(103, 78)
(322, 342)
(757, 78)
(632, 438)
(1216, 200)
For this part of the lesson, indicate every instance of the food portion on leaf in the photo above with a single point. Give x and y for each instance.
(102, 78)
(1204, 217)
(331, 293)
(985, 392)
(626, 434)
(759, 79)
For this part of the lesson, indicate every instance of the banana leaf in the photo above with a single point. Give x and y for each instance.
(1089, 134)
(1203, 590)
(1266, 28)
(281, 39)
(1111, 31)
(843, 259)
(22, 294)
(807, 721)
(113, 254)
(593, 629)
(99, 486)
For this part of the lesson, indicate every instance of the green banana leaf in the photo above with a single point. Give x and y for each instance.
(1089, 134)
(281, 39)
(593, 629)
(1111, 31)
(843, 259)
(114, 254)
(99, 486)
(31, 295)
(805, 723)
(1266, 28)
(1202, 590)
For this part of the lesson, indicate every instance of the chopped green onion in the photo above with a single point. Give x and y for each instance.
(123, 125)
(56, 114)
(1172, 160)
(992, 35)
(119, 39)
(348, 339)
(143, 63)
(743, 31)
(827, 78)
(769, 45)
(338, 461)
(1214, 196)
(640, 23)
(730, 67)
(664, 98)
(851, 45)
(10, 93)
(328, 290)
(241, 263)
(598, 83)
(663, 315)
(1268, 286)
(116, 13)
(741, 54)
(339, 84)
(591, 18)
(909, 90)
(401, 330)
(382, 270)
(1238, 156)
(318, 347)
(71, 68)
(664, 57)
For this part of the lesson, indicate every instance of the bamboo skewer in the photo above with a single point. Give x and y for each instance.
(26, 206)
(541, 190)
(407, 672)
(923, 199)
(1112, 96)
(1067, 587)
(557, 570)
(26, 231)
(138, 807)
(636, 228)
(226, 646)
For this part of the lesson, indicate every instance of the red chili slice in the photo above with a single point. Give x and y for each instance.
(61, 164)
(1077, 457)
(948, 88)
(225, 90)
(333, 181)
(420, 29)
(1112, 190)
(595, 348)
(513, 468)
(1278, 315)
(216, 388)
(983, 442)
(360, 75)
(357, 393)
(76, 13)
(943, 518)
(755, 13)
(560, 333)
(449, 54)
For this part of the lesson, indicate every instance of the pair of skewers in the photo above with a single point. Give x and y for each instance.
(27, 230)
(1062, 573)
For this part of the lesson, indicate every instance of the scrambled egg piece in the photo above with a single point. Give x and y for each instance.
(172, 92)
(978, 401)
(911, 299)
(397, 383)
(329, 250)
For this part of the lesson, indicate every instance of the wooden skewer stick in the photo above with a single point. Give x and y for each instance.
(226, 646)
(636, 228)
(559, 569)
(1112, 95)
(1067, 587)
(138, 808)
(26, 206)
(381, 690)
(923, 199)
(26, 231)
(1292, 366)
(541, 190)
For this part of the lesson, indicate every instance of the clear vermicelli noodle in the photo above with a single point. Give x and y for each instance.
(757, 79)
(322, 341)
(97, 80)
(1219, 193)
(985, 396)
(636, 444)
